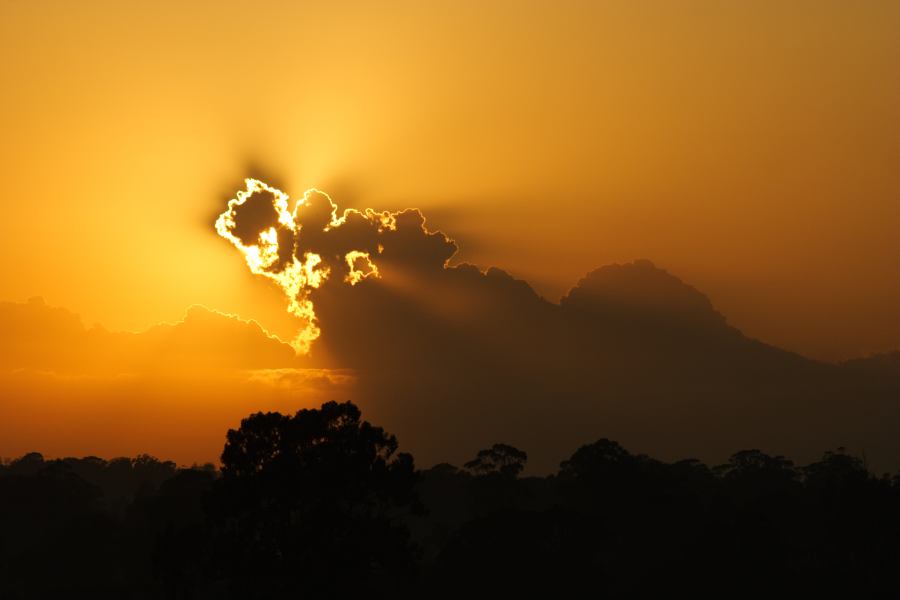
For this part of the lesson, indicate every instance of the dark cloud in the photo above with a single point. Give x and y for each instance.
(454, 358)
(314, 245)
(254, 166)
(457, 358)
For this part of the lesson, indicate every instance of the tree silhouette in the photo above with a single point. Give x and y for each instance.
(598, 459)
(836, 469)
(500, 459)
(311, 503)
(756, 476)
(321, 505)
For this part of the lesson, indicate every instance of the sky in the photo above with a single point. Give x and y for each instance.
(750, 148)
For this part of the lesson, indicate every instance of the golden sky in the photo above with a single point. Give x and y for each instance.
(751, 148)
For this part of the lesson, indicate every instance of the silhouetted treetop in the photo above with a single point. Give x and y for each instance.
(753, 475)
(320, 449)
(499, 459)
(836, 468)
(310, 502)
(750, 464)
(597, 459)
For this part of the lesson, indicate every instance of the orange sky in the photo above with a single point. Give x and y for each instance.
(750, 148)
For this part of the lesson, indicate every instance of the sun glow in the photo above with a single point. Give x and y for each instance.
(276, 252)
(295, 278)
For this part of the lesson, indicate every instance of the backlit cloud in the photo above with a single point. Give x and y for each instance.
(312, 245)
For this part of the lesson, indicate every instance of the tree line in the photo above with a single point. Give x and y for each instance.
(322, 504)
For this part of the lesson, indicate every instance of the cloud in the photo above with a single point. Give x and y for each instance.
(172, 390)
(325, 380)
(454, 358)
(313, 246)
(42, 337)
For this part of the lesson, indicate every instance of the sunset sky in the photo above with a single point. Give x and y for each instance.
(749, 148)
(421, 298)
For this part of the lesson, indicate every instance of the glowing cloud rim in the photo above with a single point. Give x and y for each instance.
(303, 249)
(297, 277)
